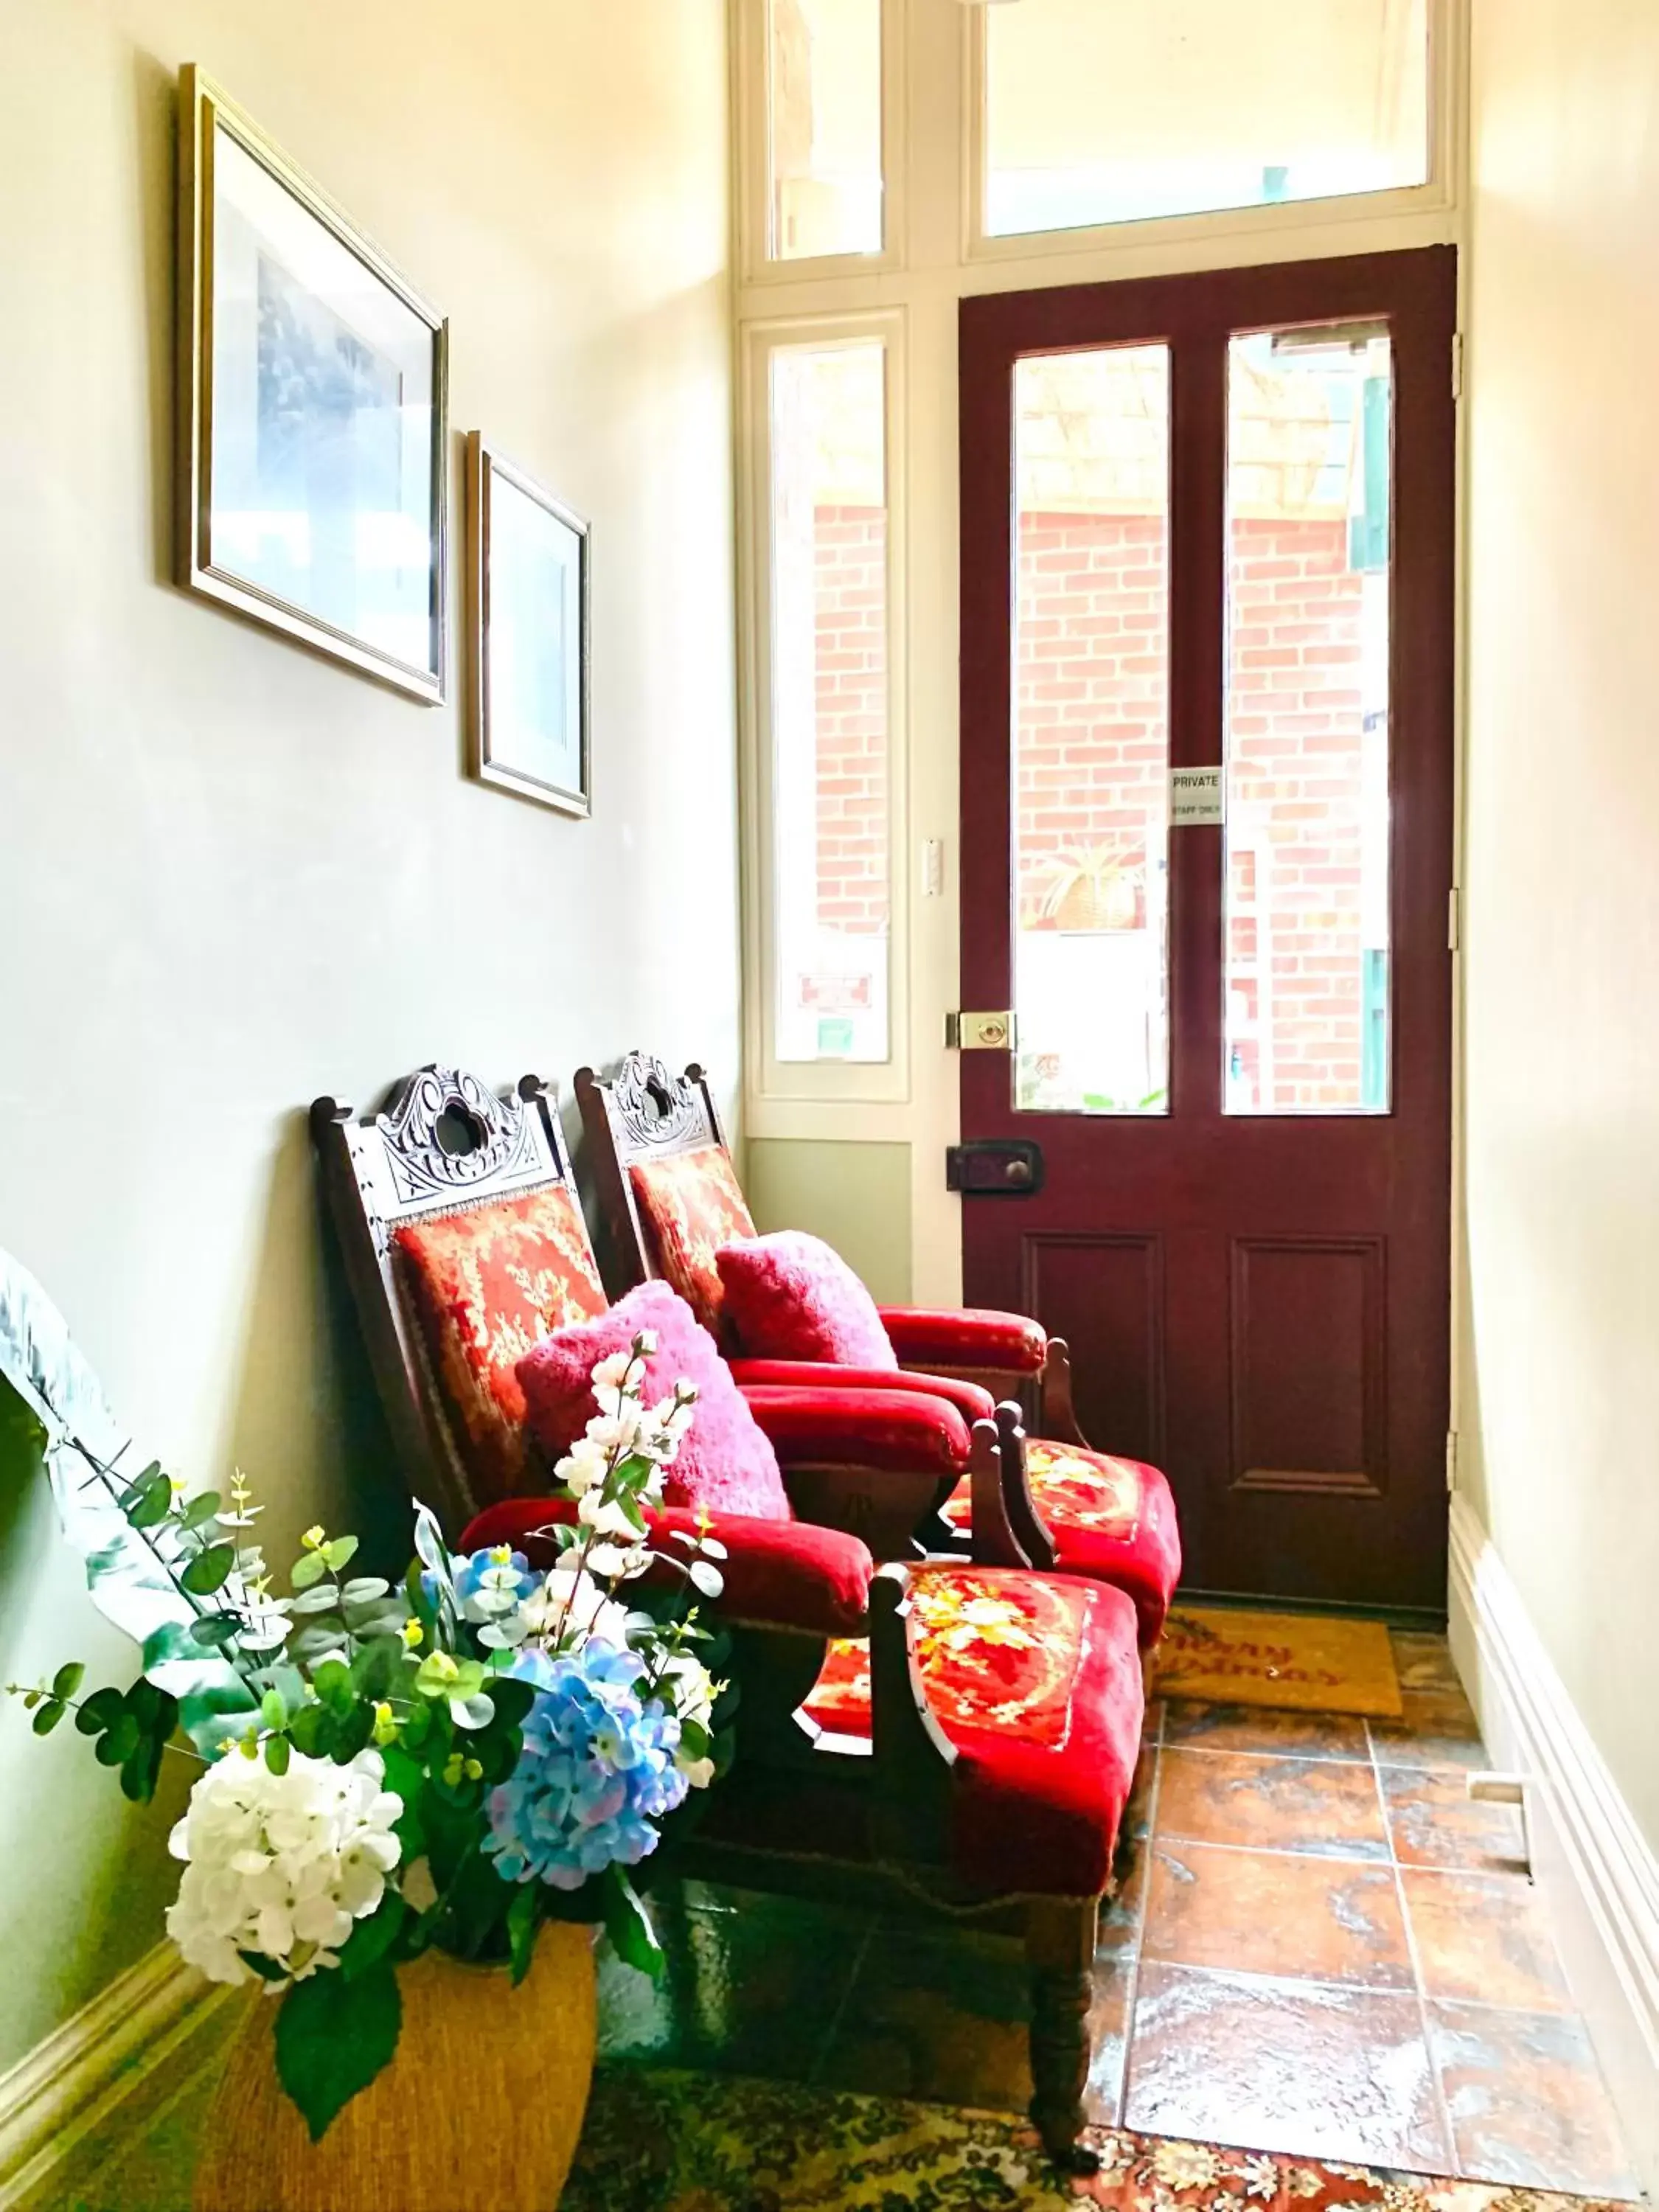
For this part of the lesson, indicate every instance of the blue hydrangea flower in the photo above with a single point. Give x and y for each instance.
(596, 1773)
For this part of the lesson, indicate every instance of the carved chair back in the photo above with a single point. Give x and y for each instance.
(443, 1146)
(637, 1116)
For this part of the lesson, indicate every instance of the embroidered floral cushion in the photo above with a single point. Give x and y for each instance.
(790, 1296)
(724, 1460)
(1037, 1680)
(486, 1286)
(1111, 1519)
(690, 1205)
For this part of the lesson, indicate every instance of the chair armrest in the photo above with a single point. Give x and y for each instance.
(780, 1574)
(900, 1431)
(973, 1403)
(1003, 1343)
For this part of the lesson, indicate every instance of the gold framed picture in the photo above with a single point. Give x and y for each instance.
(528, 584)
(312, 409)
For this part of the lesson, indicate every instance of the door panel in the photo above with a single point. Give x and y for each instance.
(1107, 1289)
(1207, 523)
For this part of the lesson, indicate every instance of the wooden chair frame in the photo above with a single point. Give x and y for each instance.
(644, 1113)
(443, 1144)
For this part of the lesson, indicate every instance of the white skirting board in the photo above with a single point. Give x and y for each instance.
(104, 2076)
(1599, 1875)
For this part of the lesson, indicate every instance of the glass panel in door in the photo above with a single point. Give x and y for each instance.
(1307, 987)
(1092, 739)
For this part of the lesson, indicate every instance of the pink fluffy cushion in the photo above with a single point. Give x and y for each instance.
(724, 1462)
(790, 1297)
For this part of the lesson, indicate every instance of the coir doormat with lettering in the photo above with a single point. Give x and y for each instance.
(1304, 1662)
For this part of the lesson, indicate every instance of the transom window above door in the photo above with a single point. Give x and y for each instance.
(1102, 111)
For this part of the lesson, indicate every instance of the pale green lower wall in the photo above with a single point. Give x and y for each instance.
(855, 1196)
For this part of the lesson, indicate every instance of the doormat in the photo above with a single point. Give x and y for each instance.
(675, 2142)
(1308, 1662)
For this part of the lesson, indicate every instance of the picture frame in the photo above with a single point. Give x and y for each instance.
(313, 455)
(529, 589)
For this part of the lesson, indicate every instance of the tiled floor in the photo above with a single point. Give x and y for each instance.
(1320, 1946)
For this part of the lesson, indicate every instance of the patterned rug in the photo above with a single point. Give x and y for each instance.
(1300, 1661)
(702, 2143)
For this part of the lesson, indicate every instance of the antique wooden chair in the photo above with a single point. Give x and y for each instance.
(670, 1200)
(943, 1739)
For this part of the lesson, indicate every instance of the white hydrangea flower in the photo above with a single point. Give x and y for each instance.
(282, 1864)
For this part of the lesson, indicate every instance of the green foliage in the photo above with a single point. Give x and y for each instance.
(627, 1924)
(334, 2033)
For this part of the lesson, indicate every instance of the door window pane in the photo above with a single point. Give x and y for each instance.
(1091, 751)
(828, 654)
(1308, 464)
(1113, 111)
(823, 103)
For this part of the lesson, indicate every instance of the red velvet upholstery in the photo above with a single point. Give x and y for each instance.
(783, 1574)
(689, 1204)
(1036, 1681)
(973, 1403)
(488, 1285)
(1112, 1520)
(965, 1336)
(723, 1460)
(901, 1431)
(792, 1297)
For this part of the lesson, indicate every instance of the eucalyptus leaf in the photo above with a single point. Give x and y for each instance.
(323, 1599)
(208, 1570)
(67, 1680)
(308, 1568)
(215, 1630)
(365, 1589)
(338, 1550)
(200, 1510)
(709, 1580)
(48, 1716)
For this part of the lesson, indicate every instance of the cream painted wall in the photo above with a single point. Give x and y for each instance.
(1559, 1413)
(233, 875)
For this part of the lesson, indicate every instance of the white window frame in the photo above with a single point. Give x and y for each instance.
(834, 1081)
(1434, 195)
(752, 106)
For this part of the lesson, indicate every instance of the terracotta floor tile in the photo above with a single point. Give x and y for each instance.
(1310, 2071)
(1261, 1728)
(1151, 1727)
(1422, 1661)
(1486, 1938)
(1527, 2101)
(935, 2016)
(1434, 1822)
(750, 1988)
(1266, 1912)
(1436, 1729)
(1319, 1806)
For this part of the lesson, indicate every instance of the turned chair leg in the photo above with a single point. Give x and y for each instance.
(1061, 1936)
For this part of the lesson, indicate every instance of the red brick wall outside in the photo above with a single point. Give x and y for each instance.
(1092, 764)
(850, 571)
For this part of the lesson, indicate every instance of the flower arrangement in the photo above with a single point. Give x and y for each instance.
(446, 1763)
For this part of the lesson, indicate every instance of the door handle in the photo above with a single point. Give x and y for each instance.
(994, 1167)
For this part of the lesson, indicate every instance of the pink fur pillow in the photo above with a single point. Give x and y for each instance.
(791, 1296)
(724, 1462)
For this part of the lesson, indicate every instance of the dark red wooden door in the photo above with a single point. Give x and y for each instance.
(1207, 522)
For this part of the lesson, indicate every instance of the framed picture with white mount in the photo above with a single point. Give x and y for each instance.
(313, 432)
(528, 589)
